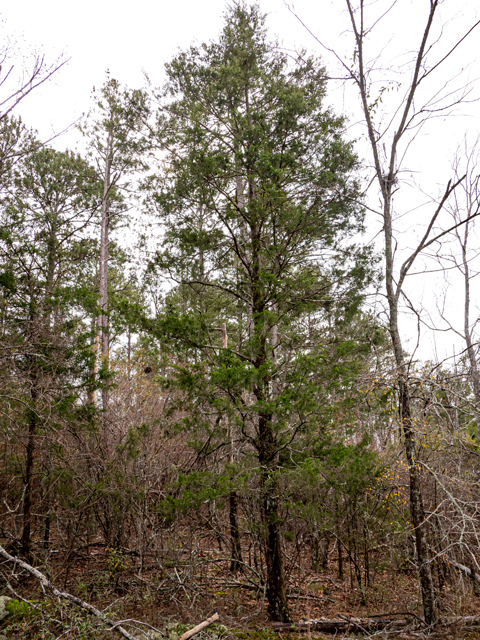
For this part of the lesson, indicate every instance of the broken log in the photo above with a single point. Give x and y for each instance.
(374, 623)
(200, 627)
(343, 624)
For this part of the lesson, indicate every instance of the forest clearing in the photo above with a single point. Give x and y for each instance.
(215, 407)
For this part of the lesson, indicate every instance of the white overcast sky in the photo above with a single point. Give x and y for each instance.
(131, 38)
(127, 38)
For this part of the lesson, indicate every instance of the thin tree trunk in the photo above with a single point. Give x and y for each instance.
(417, 511)
(47, 510)
(129, 355)
(103, 270)
(235, 543)
(474, 372)
(94, 371)
(386, 177)
(235, 546)
(46, 531)
(366, 556)
(326, 546)
(29, 467)
(236, 549)
(267, 450)
(340, 560)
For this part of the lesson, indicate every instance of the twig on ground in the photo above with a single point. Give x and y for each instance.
(47, 585)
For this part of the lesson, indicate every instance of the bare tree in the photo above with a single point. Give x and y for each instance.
(16, 84)
(390, 136)
(464, 206)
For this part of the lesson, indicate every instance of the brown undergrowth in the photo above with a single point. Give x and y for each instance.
(174, 588)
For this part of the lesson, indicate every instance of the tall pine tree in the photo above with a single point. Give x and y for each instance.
(259, 199)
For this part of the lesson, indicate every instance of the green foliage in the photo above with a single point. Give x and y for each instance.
(261, 180)
(115, 126)
(18, 609)
(47, 620)
(260, 201)
(255, 634)
(117, 562)
(45, 257)
(259, 198)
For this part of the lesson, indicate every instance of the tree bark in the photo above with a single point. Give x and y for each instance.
(102, 320)
(235, 546)
(267, 453)
(386, 179)
(417, 511)
(267, 447)
(474, 371)
(29, 467)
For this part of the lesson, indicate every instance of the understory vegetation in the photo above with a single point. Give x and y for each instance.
(221, 412)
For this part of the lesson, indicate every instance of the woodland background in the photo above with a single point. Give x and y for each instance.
(225, 410)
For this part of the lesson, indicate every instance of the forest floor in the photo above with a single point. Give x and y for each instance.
(169, 592)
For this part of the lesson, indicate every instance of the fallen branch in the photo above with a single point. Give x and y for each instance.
(372, 623)
(465, 570)
(200, 627)
(345, 624)
(46, 584)
(464, 621)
